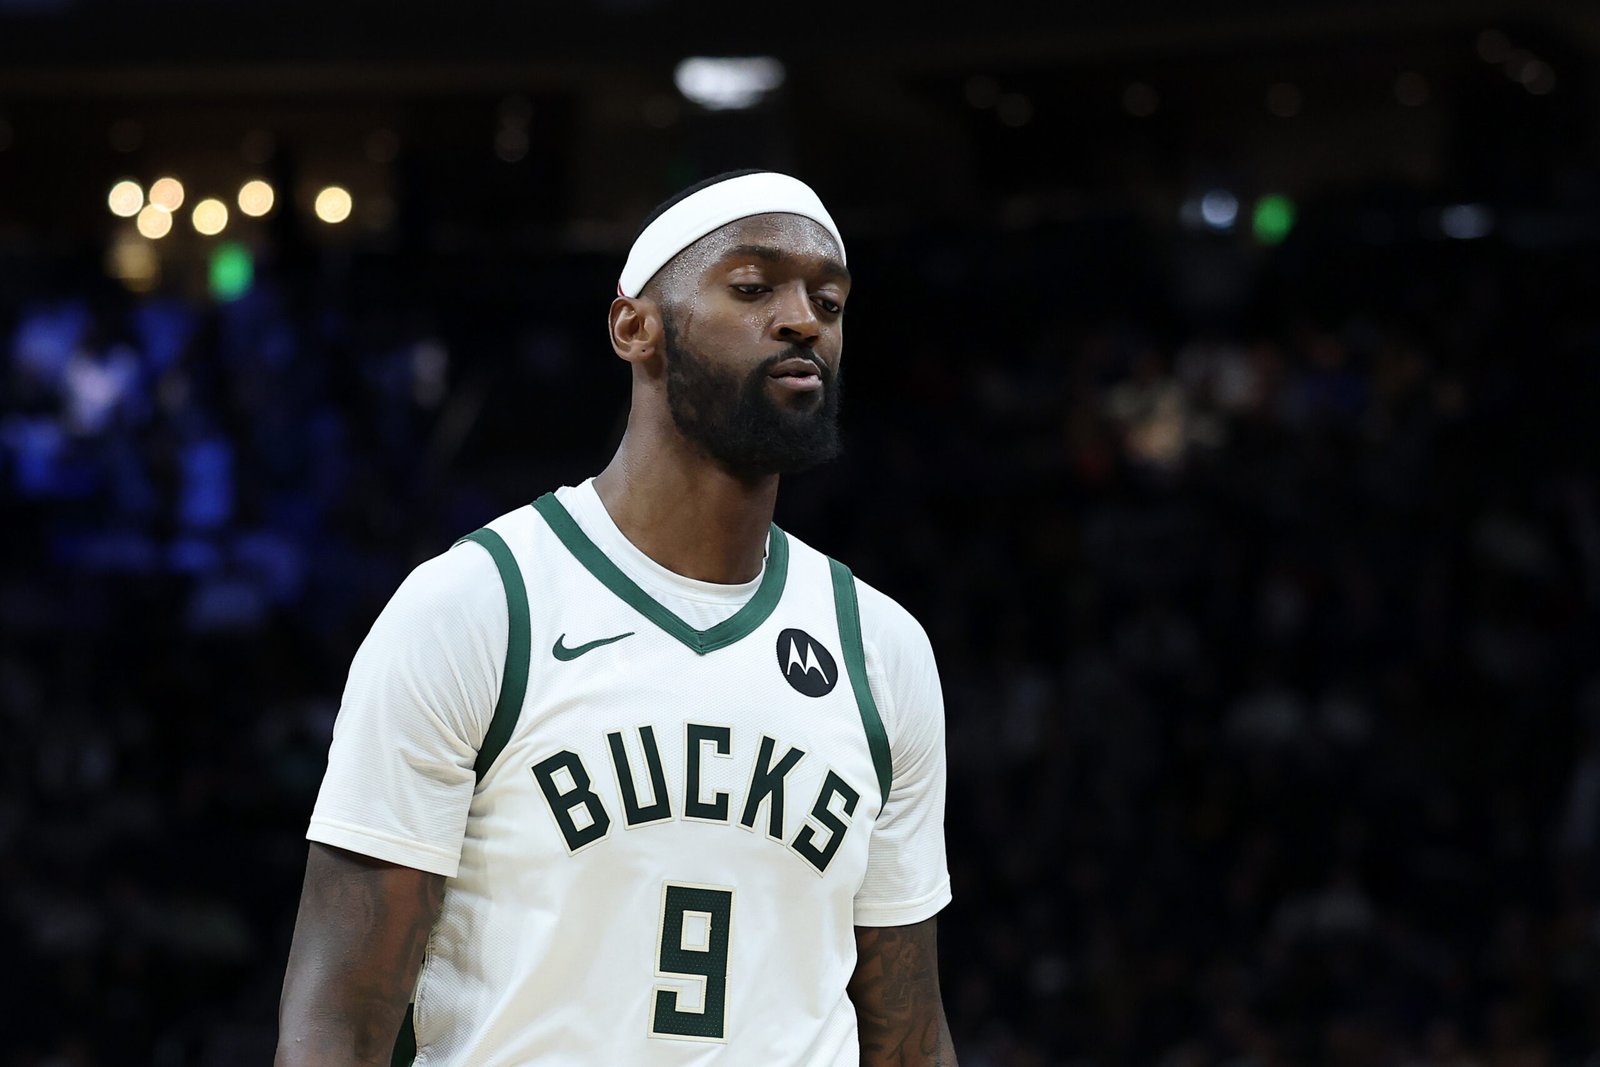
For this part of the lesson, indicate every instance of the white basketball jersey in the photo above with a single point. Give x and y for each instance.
(668, 829)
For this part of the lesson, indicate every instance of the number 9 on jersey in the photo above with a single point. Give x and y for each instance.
(696, 921)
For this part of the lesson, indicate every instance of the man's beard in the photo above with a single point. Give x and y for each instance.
(738, 423)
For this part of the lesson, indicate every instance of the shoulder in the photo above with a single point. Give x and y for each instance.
(462, 579)
(890, 629)
(456, 598)
(901, 671)
(892, 636)
(436, 653)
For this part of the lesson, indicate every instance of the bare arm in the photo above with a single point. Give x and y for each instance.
(896, 994)
(358, 942)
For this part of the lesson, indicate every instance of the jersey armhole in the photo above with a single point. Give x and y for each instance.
(514, 679)
(507, 709)
(855, 662)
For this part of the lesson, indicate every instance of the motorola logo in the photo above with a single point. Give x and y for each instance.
(805, 664)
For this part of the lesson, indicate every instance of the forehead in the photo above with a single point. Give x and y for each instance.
(790, 235)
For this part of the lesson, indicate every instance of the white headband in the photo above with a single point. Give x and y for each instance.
(697, 214)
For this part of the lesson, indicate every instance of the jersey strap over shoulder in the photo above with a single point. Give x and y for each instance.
(514, 680)
(855, 662)
(513, 688)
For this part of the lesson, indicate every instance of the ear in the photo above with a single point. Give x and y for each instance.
(636, 329)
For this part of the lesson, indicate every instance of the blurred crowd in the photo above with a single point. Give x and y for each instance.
(1265, 588)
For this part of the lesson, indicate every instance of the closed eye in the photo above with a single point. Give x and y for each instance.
(830, 307)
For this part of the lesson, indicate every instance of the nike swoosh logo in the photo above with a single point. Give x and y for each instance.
(562, 652)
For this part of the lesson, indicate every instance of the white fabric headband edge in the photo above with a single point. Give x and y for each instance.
(699, 213)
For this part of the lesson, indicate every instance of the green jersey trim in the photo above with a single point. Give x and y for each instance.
(514, 680)
(855, 663)
(507, 709)
(726, 632)
(405, 1042)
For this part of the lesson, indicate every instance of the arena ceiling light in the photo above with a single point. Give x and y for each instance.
(727, 83)
(1272, 219)
(166, 194)
(154, 222)
(210, 217)
(125, 198)
(1466, 222)
(333, 204)
(1217, 210)
(256, 198)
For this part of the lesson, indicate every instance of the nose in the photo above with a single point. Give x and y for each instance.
(794, 320)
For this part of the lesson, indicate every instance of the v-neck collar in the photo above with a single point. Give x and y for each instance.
(740, 625)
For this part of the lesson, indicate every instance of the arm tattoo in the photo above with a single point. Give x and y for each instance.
(358, 942)
(896, 993)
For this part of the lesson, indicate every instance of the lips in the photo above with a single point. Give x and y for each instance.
(798, 374)
(797, 367)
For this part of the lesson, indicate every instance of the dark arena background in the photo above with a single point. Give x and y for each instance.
(1221, 393)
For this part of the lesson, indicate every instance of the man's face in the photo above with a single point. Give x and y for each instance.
(753, 317)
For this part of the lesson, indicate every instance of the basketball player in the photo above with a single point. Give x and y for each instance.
(630, 777)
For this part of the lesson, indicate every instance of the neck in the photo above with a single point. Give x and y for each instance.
(684, 510)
